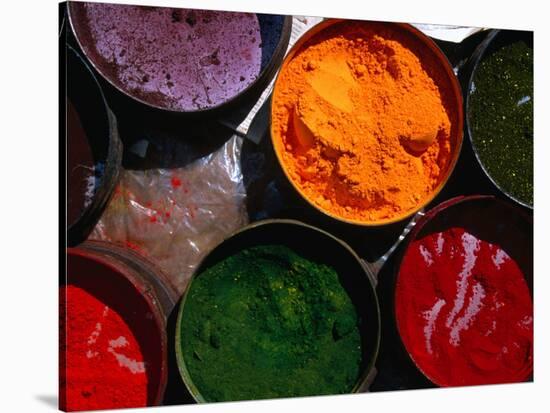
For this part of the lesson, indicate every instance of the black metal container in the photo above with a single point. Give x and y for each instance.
(492, 42)
(319, 246)
(270, 64)
(91, 142)
(480, 212)
(137, 290)
(429, 48)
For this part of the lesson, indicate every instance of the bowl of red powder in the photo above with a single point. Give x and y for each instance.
(180, 60)
(366, 120)
(463, 295)
(113, 346)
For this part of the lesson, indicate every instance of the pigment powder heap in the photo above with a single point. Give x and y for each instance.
(267, 323)
(362, 122)
(111, 353)
(182, 60)
(464, 310)
(105, 367)
(501, 116)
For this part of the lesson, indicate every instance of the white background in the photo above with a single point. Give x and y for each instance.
(29, 203)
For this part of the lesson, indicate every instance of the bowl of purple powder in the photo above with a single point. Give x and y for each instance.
(181, 60)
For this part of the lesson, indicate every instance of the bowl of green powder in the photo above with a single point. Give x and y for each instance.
(279, 309)
(499, 111)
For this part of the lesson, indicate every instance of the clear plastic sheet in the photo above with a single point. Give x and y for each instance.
(176, 216)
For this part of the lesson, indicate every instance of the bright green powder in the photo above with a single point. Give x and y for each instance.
(267, 323)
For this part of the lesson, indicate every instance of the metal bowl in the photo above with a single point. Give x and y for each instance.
(315, 244)
(77, 23)
(495, 39)
(428, 47)
(109, 273)
(100, 126)
(482, 213)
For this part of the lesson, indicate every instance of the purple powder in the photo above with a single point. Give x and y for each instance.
(177, 59)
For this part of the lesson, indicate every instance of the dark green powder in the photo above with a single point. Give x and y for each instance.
(267, 323)
(501, 116)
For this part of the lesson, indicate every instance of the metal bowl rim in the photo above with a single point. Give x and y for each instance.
(264, 73)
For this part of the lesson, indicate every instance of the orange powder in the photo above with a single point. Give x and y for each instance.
(360, 123)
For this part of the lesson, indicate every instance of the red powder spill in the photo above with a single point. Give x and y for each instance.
(464, 311)
(176, 182)
(133, 246)
(105, 368)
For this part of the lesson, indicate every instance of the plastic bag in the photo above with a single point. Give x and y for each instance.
(176, 216)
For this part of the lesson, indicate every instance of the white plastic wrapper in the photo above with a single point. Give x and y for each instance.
(454, 34)
(176, 216)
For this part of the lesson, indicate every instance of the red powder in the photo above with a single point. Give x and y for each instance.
(132, 245)
(464, 311)
(176, 182)
(104, 365)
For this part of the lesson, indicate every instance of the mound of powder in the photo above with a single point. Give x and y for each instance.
(362, 122)
(267, 322)
(104, 365)
(464, 310)
(177, 59)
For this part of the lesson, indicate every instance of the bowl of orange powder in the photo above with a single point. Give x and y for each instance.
(366, 120)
